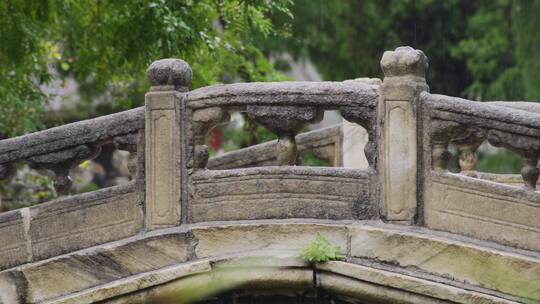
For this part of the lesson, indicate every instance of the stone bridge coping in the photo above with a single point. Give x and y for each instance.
(326, 94)
(516, 117)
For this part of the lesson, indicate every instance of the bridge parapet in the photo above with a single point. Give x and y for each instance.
(179, 198)
(487, 206)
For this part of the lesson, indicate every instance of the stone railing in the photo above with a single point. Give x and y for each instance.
(284, 108)
(176, 184)
(62, 148)
(482, 205)
(78, 221)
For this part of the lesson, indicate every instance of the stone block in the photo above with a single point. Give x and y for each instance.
(501, 271)
(283, 238)
(84, 220)
(432, 291)
(483, 210)
(272, 193)
(80, 271)
(163, 160)
(13, 238)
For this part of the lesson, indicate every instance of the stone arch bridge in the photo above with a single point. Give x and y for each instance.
(411, 231)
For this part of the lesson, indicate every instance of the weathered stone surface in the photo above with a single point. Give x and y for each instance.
(136, 284)
(170, 72)
(84, 220)
(482, 115)
(273, 192)
(89, 131)
(285, 122)
(63, 276)
(203, 120)
(505, 272)
(188, 288)
(246, 255)
(281, 237)
(330, 95)
(13, 238)
(400, 264)
(483, 210)
(163, 159)
(431, 291)
(371, 293)
(404, 71)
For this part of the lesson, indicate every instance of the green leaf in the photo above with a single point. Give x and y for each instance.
(320, 250)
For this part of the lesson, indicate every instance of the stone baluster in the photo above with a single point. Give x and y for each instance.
(203, 121)
(285, 122)
(61, 162)
(443, 132)
(467, 144)
(165, 164)
(404, 79)
(527, 147)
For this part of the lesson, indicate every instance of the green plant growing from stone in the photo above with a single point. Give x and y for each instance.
(320, 250)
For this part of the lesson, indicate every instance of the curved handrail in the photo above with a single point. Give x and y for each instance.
(83, 132)
(327, 94)
(520, 118)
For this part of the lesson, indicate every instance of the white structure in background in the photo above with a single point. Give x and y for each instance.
(354, 136)
(354, 140)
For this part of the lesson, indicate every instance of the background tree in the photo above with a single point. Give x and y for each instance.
(106, 45)
(478, 49)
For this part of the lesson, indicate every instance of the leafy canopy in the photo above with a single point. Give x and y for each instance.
(106, 45)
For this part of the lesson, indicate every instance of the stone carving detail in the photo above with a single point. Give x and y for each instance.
(203, 121)
(442, 132)
(404, 79)
(169, 74)
(467, 143)
(527, 147)
(62, 161)
(285, 122)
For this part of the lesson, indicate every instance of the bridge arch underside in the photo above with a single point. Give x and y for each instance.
(384, 264)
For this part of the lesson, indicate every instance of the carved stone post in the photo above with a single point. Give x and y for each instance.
(170, 79)
(404, 70)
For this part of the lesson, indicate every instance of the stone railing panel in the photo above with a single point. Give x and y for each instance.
(69, 224)
(62, 148)
(273, 192)
(282, 107)
(485, 206)
(14, 238)
(483, 210)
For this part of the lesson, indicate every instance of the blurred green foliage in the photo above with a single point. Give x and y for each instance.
(504, 161)
(480, 49)
(106, 45)
(25, 189)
